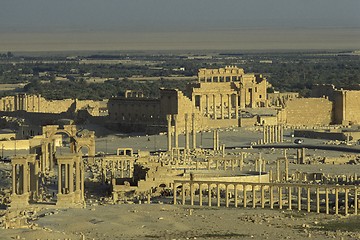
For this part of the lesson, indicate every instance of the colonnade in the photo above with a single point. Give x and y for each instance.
(213, 101)
(175, 143)
(329, 199)
(273, 133)
(221, 163)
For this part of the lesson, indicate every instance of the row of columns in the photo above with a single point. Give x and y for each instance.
(174, 117)
(223, 164)
(120, 168)
(273, 134)
(286, 192)
(220, 78)
(212, 108)
(300, 156)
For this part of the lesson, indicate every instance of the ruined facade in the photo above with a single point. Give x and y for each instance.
(230, 86)
(215, 100)
(38, 104)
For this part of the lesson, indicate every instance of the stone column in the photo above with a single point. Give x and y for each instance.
(229, 106)
(25, 178)
(280, 197)
(214, 106)
(82, 178)
(236, 107)
(308, 199)
(235, 195)
(122, 168)
(14, 178)
(207, 105)
(286, 169)
(187, 137)
(262, 197)
(193, 131)
(303, 156)
(346, 201)
(191, 194)
(241, 164)
(279, 133)
(355, 200)
(59, 178)
(77, 176)
(336, 201)
(271, 197)
(71, 178)
(200, 194)
(67, 177)
(176, 133)
(214, 140)
(244, 196)
(168, 118)
(317, 200)
(327, 200)
(298, 160)
(227, 195)
(209, 194)
(299, 198)
(278, 170)
(183, 194)
(222, 105)
(289, 198)
(218, 194)
(276, 133)
(264, 134)
(272, 129)
(263, 165)
(253, 196)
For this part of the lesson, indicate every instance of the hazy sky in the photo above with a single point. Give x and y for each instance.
(123, 20)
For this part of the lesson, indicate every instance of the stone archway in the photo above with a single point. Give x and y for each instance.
(78, 140)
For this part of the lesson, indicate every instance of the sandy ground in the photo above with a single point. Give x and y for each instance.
(160, 221)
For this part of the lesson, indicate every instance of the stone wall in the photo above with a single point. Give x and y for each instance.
(309, 111)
